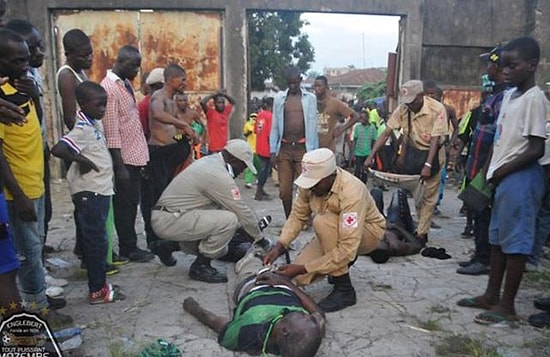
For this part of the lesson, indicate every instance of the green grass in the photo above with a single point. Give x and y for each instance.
(460, 345)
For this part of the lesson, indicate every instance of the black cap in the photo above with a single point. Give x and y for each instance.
(493, 55)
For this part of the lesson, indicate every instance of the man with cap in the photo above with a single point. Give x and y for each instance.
(165, 152)
(481, 143)
(427, 119)
(201, 209)
(154, 81)
(346, 223)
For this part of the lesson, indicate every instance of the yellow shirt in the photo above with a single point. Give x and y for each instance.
(250, 135)
(349, 198)
(22, 146)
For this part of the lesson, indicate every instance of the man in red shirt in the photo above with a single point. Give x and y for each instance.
(217, 118)
(262, 128)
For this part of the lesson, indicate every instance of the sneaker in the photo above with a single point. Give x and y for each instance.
(118, 260)
(475, 268)
(57, 321)
(54, 291)
(466, 263)
(51, 281)
(111, 270)
(139, 256)
(56, 303)
(106, 295)
(248, 185)
(163, 249)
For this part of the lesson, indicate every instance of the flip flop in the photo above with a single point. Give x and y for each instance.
(488, 318)
(471, 302)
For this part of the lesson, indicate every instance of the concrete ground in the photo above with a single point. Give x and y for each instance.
(406, 307)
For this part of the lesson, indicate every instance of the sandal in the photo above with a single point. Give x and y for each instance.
(473, 303)
(488, 318)
(107, 294)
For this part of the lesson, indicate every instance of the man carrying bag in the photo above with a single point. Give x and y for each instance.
(424, 124)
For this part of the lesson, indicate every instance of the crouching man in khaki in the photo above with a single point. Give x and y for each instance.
(202, 208)
(346, 223)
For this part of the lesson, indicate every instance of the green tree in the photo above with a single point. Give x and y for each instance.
(371, 90)
(275, 41)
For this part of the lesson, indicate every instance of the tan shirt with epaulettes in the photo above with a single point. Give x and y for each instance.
(348, 198)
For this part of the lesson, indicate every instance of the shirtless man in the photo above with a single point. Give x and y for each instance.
(79, 54)
(165, 153)
(293, 132)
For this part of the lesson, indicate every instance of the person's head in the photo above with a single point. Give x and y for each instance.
(14, 55)
(238, 154)
(379, 256)
(431, 89)
(520, 58)
(318, 172)
(412, 95)
(78, 49)
(33, 38)
(155, 79)
(175, 77)
(181, 99)
(219, 103)
(92, 99)
(364, 117)
(293, 78)
(320, 86)
(253, 116)
(298, 334)
(127, 63)
(268, 104)
(494, 67)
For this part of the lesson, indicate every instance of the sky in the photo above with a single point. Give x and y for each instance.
(339, 39)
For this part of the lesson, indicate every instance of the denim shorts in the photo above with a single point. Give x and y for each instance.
(515, 208)
(8, 257)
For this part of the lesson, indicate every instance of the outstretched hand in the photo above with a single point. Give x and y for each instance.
(291, 270)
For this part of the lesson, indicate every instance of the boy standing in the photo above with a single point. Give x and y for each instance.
(519, 181)
(91, 183)
(364, 137)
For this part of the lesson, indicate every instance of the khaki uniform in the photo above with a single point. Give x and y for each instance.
(202, 208)
(430, 121)
(346, 223)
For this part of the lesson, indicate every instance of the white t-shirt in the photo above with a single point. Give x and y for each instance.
(519, 118)
(545, 160)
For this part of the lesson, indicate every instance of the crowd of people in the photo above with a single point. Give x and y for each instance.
(177, 164)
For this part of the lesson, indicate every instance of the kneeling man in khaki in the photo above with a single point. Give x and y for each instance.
(346, 223)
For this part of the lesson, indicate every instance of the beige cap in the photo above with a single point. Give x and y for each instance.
(155, 76)
(241, 150)
(316, 165)
(409, 91)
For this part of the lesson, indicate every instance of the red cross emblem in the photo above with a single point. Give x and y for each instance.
(350, 219)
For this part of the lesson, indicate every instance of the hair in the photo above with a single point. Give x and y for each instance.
(527, 48)
(322, 79)
(86, 89)
(268, 102)
(127, 52)
(74, 39)
(21, 27)
(293, 72)
(438, 91)
(301, 342)
(429, 84)
(7, 36)
(173, 70)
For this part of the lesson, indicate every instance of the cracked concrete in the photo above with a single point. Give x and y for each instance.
(397, 301)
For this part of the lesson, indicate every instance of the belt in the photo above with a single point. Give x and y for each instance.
(301, 141)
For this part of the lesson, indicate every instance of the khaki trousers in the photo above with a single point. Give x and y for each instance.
(426, 212)
(326, 230)
(199, 231)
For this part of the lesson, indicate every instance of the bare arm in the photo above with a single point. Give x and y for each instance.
(204, 102)
(215, 322)
(63, 151)
(121, 172)
(229, 98)
(377, 145)
(432, 155)
(534, 151)
(354, 118)
(159, 114)
(66, 87)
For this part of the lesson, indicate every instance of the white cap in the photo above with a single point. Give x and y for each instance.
(409, 91)
(316, 165)
(155, 76)
(241, 150)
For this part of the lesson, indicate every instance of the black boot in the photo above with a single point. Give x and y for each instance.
(201, 270)
(163, 249)
(342, 295)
